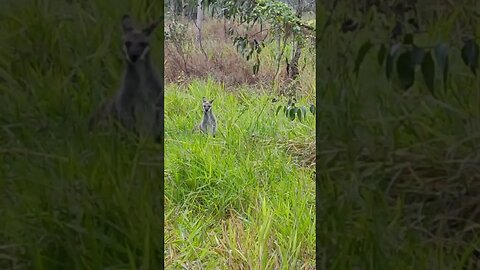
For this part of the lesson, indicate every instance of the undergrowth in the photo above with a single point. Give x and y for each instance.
(398, 175)
(240, 200)
(70, 199)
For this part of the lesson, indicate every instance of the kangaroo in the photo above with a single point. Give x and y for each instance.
(138, 103)
(209, 120)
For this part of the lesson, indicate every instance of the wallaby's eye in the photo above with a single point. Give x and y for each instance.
(128, 43)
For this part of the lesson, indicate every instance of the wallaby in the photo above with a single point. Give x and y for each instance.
(209, 120)
(138, 104)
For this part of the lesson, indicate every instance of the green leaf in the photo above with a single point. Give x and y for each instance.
(390, 58)
(417, 55)
(279, 108)
(299, 115)
(389, 66)
(292, 113)
(362, 52)
(312, 109)
(441, 55)
(470, 55)
(304, 111)
(428, 71)
(406, 70)
(381, 54)
(256, 67)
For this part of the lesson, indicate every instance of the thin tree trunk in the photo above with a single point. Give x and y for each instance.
(173, 8)
(183, 8)
(199, 22)
(293, 70)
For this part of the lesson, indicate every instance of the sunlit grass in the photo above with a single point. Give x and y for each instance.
(237, 200)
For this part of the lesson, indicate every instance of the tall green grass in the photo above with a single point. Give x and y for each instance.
(239, 200)
(69, 199)
(73, 200)
(398, 170)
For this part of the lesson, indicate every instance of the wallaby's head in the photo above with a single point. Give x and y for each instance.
(136, 42)
(207, 105)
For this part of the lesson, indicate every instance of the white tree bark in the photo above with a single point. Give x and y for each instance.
(173, 8)
(199, 22)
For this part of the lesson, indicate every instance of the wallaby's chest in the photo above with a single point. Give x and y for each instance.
(145, 87)
(208, 118)
(145, 103)
(141, 88)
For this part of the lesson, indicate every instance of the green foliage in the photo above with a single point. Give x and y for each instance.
(428, 71)
(280, 22)
(441, 55)
(275, 17)
(292, 112)
(389, 163)
(406, 69)
(176, 32)
(248, 48)
(404, 39)
(405, 57)
(470, 55)
(242, 190)
(361, 55)
(70, 199)
(382, 52)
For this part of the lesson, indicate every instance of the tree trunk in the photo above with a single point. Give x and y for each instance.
(199, 22)
(183, 7)
(173, 8)
(292, 67)
(293, 71)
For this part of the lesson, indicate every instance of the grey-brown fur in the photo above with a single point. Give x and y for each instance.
(138, 104)
(209, 122)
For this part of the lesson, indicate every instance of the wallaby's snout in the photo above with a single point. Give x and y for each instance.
(206, 107)
(136, 50)
(133, 58)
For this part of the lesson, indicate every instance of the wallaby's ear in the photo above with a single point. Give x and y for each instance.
(127, 23)
(204, 99)
(211, 101)
(149, 29)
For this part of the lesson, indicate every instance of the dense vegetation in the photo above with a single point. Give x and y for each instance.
(70, 199)
(245, 199)
(398, 135)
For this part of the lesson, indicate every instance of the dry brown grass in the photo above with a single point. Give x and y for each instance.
(439, 190)
(222, 62)
(303, 151)
(446, 189)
